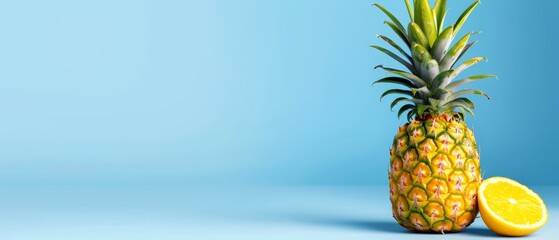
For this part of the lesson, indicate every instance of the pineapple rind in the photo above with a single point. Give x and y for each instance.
(434, 177)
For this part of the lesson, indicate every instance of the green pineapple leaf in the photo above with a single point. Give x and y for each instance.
(400, 33)
(460, 93)
(400, 100)
(442, 43)
(454, 85)
(396, 46)
(439, 12)
(423, 91)
(434, 102)
(452, 55)
(392, 17)
(421, 108)
(427, 67)
(420, 54)
(405, 108)
(396, 80)
(410, 9)
(462, 109)
(429, 70)
(396, 91)
(468, 46)
(439, 93)
(423, 16)
(460, 21)
(466, 64)
(415, 80)
(410, 115)
(395, 57)
(442, 77)
(462, 103)
(416, 35)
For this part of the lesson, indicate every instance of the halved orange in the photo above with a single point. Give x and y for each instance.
(509, 208)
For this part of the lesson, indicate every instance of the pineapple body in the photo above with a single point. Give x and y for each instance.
(434, 174)
(434, 163)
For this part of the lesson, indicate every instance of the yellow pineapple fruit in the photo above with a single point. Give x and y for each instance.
(434, 163)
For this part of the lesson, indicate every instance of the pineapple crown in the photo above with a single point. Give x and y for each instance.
(430, 72)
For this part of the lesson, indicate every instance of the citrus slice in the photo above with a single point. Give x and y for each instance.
(509, 208)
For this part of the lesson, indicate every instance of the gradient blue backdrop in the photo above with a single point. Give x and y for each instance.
(249, 92)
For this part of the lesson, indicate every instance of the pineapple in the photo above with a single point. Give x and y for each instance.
(434, 163)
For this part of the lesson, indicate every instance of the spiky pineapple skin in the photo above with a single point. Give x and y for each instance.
(434, 175)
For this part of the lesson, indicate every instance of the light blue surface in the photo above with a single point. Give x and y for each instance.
(177, 212)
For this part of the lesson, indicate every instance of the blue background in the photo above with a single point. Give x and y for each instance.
(248, 92)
